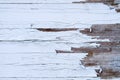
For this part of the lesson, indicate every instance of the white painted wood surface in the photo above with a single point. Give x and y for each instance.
(28, 54)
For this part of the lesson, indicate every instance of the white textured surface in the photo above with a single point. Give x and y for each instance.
(38, 1)
(28, 54)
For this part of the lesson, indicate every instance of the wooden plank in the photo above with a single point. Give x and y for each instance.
(49, 65)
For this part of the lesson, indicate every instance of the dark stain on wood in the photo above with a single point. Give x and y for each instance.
(56, 29)
(63, 51)
(96, 1)
(118, 10)
(91, 50)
